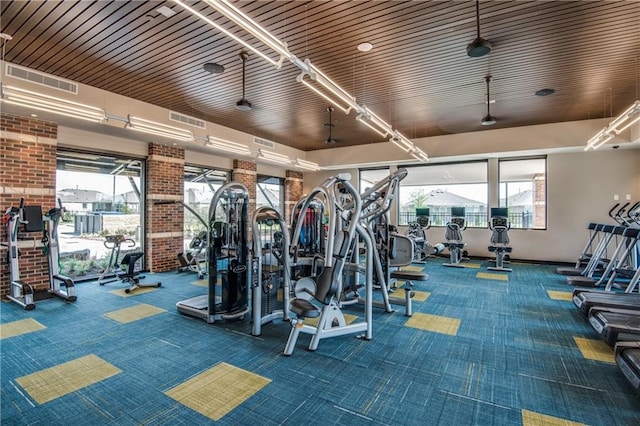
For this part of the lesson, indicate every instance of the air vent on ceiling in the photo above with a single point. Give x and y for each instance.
(181, 118)
(42, 79)
(264, 142)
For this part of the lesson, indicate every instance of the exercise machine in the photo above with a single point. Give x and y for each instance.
(628, 360)
(51, 246)
(29, 219)
(271, 269)
(453, 237)
(317, 295)
(124, 269)
(499, 243)
(417, 232)
(228, 259)
(195, 257)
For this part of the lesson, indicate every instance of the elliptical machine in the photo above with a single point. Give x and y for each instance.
(499, 244)
(52, 248)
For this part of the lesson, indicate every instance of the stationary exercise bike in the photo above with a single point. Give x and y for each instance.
(123, 270)
(417, 232)
(499, 244)
(453, 237)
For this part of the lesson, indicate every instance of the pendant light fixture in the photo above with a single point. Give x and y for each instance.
(478, 47)
(488, 120)
(330, 126)
(243, 104)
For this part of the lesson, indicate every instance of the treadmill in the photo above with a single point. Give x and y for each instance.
(628, 361)
(585, 299)
(615, 324)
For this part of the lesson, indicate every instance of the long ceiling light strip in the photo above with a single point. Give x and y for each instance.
(273, 62)
(26, 98)
(159, 129)
(273, 156)
(307, 165)
(228, 146)
(615, 127)
(345, 102)
(252, 27)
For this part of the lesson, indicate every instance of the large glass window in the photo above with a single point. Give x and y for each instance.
(101, 195)
(369, 177)
(443, 186)
(200, 183)
(523, 191)
(270, 192)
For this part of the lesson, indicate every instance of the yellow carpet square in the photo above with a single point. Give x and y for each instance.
(412, 268)
(490, 276)
(54, 382)
(205, 282)
(218, 390)
(531, 418)
(435, 323)
(421, 296)
(134, 313)
(314, 321)
(16, 328)
(470, 265)
(140, 290)
(596, 350)
(560, 295)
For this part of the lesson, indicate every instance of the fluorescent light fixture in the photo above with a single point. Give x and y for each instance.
(228, 146)
(616, 127)
(402, 142)
(374, 122)
(626, 119)
(273, 157)
(16, 96)
(159, 129)
(419, 154)
(246, 23)
(308, 165)
(337, 95)
(602, 137)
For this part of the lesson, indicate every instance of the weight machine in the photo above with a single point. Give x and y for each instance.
(228, 258)
(270, 269)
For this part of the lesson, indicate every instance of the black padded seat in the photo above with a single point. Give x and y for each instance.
(304, 308)
(409, 275)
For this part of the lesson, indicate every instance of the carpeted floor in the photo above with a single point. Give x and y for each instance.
(482, 348)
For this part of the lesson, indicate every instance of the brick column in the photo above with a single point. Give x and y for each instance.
(28, 158)
(246, 173)
(164, 222)
(293, 184)
(539, 201)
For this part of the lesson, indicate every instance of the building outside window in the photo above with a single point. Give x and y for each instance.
(523, 191)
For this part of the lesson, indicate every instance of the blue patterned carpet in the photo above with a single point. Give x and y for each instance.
(514, 350)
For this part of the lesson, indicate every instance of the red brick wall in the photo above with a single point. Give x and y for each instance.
(293, 186)
(164, 222)
(246, 173)
(539, 200)
(28, 158)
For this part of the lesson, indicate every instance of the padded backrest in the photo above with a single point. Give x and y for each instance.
(33, 216)
(453, 232)
(403, 250)
(328, 282)
(500, 236)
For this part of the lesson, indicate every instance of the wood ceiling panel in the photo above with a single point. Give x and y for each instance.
(418, 76)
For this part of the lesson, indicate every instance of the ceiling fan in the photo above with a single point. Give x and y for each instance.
(330, 126)
(478, 47)
(488, 120)
(243, 104)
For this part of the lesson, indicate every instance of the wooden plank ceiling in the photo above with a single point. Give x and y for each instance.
(417, 77)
